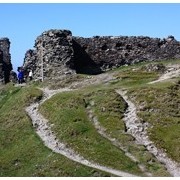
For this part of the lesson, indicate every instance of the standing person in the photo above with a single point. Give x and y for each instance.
(20, 76)
(30, 75)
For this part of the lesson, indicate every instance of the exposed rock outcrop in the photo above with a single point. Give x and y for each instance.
(61, 53)
(5, 60)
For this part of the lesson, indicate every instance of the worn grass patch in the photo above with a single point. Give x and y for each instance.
(64, 82)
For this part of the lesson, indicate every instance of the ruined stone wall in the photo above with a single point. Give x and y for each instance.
(5, 60)
(1, 67)
(31, 62)
(53, 52)
(110, 52)
(61, 53)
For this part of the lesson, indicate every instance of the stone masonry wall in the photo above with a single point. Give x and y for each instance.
(5, 60)
(53, 52)
(111, 52)
(63, 53)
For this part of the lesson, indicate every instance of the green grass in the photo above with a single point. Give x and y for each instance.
(136, 76)
(22, 153)
(160, 107)
(110, 107)
(67, 111)
(159, 104)
(129, 78)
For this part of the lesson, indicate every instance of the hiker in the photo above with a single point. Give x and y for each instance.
(30, 75)
(20, 76)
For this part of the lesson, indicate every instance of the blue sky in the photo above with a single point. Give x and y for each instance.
(22, 23)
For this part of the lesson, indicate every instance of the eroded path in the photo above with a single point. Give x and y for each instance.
(138, 130)
(43, 129)
(102, 131)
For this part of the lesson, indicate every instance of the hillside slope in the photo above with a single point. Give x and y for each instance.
(87, 122)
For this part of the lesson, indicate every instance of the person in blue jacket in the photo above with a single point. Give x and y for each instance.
(20, 76)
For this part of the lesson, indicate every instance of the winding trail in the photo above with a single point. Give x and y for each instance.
(134, 126)
(138, 130)
(43, 129)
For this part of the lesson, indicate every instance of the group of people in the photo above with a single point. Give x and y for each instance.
(21, 76)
